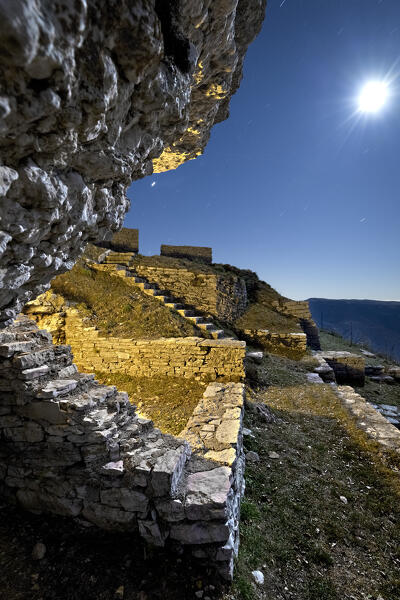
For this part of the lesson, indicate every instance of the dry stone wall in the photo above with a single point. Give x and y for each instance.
(73, 447)
(278, 343)
(293, 308)
(369, 419)
(124, 240)
(199, 253)
(300, 309)
(92, 92)
(224, 297)
(349, 368)
(190, 357)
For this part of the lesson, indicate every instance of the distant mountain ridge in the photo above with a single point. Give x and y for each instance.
(375, 323)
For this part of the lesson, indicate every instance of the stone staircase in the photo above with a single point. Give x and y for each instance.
(74, 447)
(122, 262)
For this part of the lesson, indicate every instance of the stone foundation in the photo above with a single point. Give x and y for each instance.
(278, 343)
(223, 296)
(191, 357)
(73, 447)
(198, 253)
(300, 309)
(349, 368)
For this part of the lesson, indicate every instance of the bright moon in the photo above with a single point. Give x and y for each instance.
(373, 96)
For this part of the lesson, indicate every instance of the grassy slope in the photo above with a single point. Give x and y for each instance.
(168, 401)
(377, 393)
(294, 528)
(118, 309)
(260, 313)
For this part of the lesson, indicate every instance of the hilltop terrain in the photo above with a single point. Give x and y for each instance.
(115, 308)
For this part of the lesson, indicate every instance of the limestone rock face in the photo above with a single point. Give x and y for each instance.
(92, 93)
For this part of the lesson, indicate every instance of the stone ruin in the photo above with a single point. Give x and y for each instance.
(124, 240)
(197, 253)
(96, 95)
(77, 448)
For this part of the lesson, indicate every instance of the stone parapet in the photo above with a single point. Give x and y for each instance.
(293, 308)
(73, 447)
(198, 253)
(349, 368)
(300, 309)
(191, 357)
(278, 343)
(125, 240)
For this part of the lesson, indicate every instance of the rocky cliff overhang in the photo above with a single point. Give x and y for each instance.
(94, 95)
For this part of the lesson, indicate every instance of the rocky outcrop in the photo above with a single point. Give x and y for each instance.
(92, 94)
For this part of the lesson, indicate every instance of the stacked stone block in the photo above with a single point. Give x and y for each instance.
(349, 368)
(278, 343)
(375, 425)
(300, 309)
(197, 253)
(189, 357)
(71, 446)
(125, 240)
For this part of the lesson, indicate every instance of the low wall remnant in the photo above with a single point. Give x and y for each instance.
(369, 419)
(190, 357)
(73, 447)
(278, 343)
(198, 253)
(125, 240)
(349, 368)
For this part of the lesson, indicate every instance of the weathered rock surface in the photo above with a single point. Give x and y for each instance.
(92, 93)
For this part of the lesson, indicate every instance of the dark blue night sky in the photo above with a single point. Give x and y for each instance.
(296, 185)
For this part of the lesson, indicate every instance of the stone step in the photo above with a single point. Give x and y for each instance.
(154, 292)
(218, 334)
(162, 298)
(115, 258)
(186, 312)
(197, 320)
(173, 305)
(206, 326)
(145, 286)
